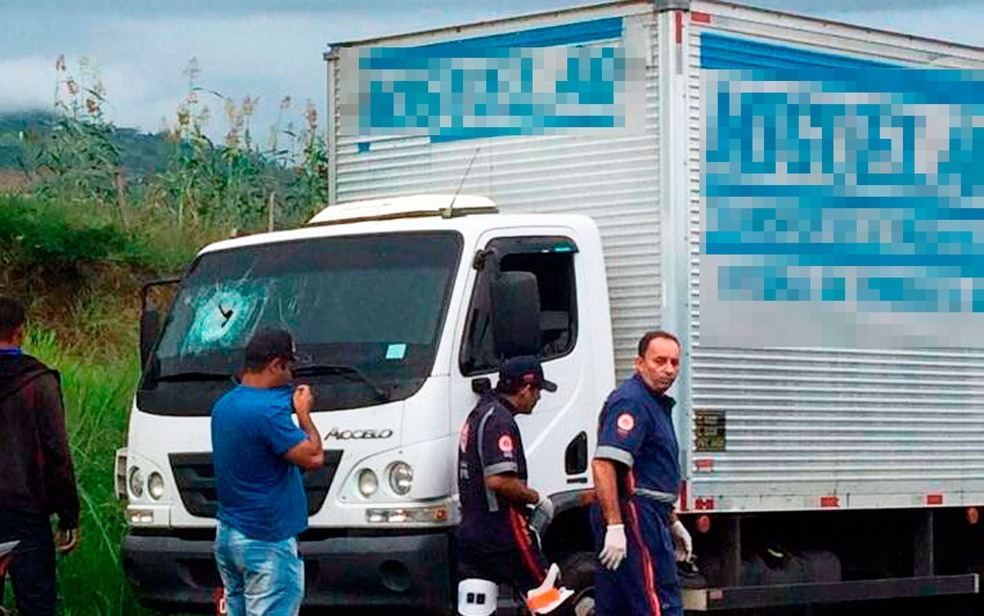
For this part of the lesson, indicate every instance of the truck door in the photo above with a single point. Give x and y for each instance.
(554, 435)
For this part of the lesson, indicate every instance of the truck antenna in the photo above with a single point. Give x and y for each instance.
(450, 209)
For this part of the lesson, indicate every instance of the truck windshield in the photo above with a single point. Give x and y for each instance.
(365, 312)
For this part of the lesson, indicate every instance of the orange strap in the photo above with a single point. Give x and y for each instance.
(543, 599)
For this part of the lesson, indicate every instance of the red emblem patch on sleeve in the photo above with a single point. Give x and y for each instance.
(625, 422)
(505, 443)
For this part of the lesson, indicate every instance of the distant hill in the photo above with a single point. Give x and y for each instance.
(142, 153)
(13, 127)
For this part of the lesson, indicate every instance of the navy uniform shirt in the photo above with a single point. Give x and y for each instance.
(489, 445)
(636, 429)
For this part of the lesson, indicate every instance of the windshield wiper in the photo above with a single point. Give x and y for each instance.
(350, 372)
(182, 377)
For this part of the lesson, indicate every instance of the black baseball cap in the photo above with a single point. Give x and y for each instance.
(518, 371)
(268, 344)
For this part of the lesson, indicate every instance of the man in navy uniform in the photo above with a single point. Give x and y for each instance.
(497, 507)
(637, 479)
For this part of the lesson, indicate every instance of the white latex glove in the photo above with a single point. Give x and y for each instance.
(684, 543)
(613, 553)
(543, 513)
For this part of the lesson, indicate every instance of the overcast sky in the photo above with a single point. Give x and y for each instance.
(271, 49)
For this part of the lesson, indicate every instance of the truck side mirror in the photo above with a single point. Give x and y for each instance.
(153, 295)
(149, 329)
(516, 314)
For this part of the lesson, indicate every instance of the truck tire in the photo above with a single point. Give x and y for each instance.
(577, 572)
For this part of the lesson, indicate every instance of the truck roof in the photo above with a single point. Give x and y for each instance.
(445, 205)
(411, 213)
(657, 4)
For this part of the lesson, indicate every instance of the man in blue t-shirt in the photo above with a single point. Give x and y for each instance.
(258, 454)
(637, 479)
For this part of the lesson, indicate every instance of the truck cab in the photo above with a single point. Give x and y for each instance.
(403, 309)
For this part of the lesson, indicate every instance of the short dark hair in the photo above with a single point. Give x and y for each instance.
(12, 316)
(652, 335)
(267, 345)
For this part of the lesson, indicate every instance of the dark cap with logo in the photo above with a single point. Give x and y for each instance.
(269, 344)
(518, 371)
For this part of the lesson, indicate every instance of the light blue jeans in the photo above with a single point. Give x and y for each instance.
(260, 577)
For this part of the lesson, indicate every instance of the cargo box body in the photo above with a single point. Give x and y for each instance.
(768, 428)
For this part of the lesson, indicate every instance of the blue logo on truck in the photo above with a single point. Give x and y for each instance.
(833, 192)
(535, 82)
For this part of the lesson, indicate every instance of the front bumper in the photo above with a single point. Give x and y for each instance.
(378, 571)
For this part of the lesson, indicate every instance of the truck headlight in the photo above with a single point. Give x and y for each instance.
(400, 477)
(155, 486)
(368, 482)
(136, 482)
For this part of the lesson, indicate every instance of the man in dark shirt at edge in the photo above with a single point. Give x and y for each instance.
(37, 477)
(258, 454)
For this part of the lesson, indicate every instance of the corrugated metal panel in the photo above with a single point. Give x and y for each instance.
(879, 428)
(611, 179)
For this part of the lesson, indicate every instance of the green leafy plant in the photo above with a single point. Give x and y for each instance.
(34, 236)
(79, 160)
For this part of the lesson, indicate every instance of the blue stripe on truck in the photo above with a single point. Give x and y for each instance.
(728, 52)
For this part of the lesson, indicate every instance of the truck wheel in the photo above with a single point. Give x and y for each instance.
(578, 574)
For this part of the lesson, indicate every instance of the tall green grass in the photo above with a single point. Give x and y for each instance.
(97, 401)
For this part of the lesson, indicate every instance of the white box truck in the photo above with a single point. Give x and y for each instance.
(829, 453)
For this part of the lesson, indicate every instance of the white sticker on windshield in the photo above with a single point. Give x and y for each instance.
(396, 351)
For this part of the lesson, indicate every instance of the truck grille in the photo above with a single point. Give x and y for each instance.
(195, 478)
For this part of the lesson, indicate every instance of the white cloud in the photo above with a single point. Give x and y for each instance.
(141, 64)
(948, 23)
(141, 58)
(27, 83)
(265, 55)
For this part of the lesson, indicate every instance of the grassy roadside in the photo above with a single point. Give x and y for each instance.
(79, 276)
